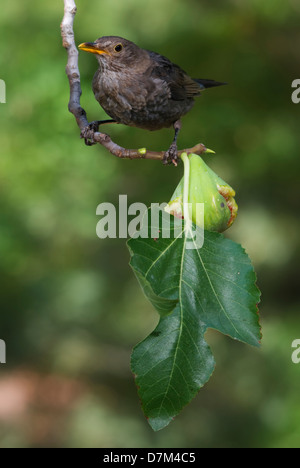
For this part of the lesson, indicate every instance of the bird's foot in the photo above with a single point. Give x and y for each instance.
(88, 133)
(170, 156)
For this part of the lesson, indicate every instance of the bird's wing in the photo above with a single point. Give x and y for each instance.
(181, 86)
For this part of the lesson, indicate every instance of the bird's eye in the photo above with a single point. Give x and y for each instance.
(118, 48)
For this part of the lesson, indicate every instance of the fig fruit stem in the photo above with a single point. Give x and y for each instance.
(186, 186)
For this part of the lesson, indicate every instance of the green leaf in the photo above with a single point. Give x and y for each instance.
(192, 289)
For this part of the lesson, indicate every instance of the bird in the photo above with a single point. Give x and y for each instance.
(141, 88)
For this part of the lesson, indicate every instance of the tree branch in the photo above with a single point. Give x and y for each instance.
(79, 113)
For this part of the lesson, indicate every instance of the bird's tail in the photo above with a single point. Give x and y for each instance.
(203, 83)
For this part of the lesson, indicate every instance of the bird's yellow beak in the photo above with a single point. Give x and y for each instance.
(92, 48)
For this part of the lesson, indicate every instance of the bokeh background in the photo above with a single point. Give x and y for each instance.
(70, 307)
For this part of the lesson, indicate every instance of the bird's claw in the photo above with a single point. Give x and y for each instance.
(171, 156)
(88, 133)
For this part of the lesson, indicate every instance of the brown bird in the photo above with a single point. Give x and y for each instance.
(141, 88)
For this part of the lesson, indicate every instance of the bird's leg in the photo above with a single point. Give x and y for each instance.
(96, 123)
(91, 128)
(170, 155)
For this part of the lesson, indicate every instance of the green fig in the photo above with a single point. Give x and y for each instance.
(205, 187)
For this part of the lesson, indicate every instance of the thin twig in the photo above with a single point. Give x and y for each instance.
(79, 113)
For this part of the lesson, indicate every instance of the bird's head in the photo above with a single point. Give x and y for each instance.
(114, 52)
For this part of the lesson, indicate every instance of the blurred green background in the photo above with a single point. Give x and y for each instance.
(70, 307)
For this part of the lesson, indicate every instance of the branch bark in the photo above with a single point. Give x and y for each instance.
(79, 113)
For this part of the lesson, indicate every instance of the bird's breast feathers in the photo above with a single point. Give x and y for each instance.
(131, 100)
